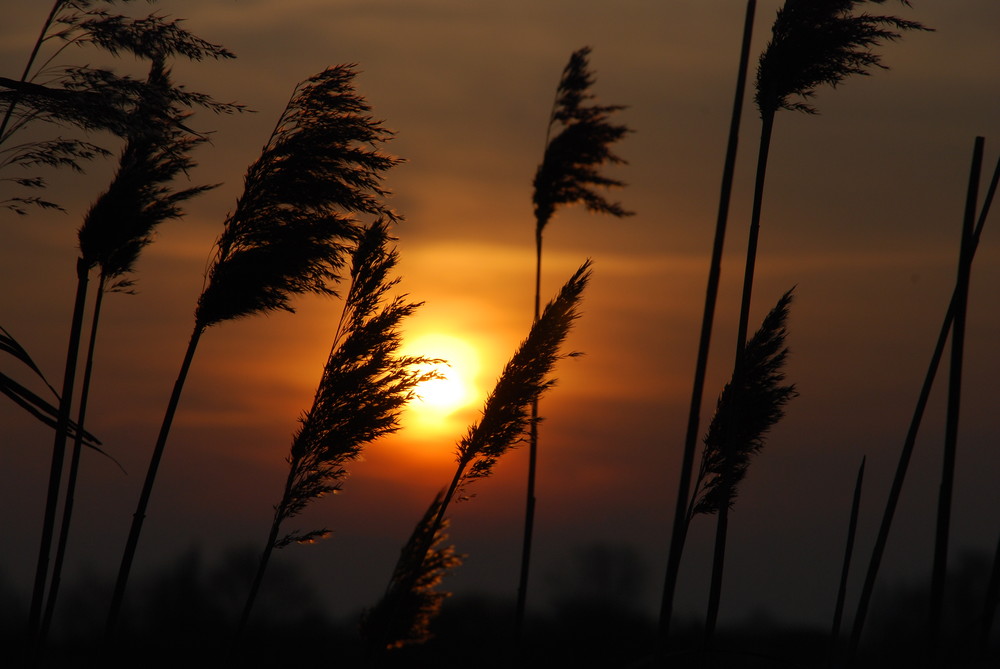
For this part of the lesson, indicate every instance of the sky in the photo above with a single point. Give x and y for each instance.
(862, 215)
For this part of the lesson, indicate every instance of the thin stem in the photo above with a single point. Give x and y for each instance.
(58, 450)
(74, 467)
(990, 604)
(715, 587)
(852, 528)
(954, 403)
(911, 436)
(681, 521)
(147, 488)
(767, 124)
(279, 515)
(529, 506)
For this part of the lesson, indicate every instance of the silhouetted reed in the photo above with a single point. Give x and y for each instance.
(363, 388)
(945, 491)
(84, 97)
(913, 430)
(505, 419)
(678, 534)
(569, 174)
(852, 528)
(813, 42)
(750, 404)
(118, 226)
(411, 602)
(135, 110)
(290, 231)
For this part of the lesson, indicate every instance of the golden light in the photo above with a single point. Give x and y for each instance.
(440, 402)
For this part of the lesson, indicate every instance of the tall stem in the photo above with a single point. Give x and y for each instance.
(954, 402)
(911, 437)
(852, 527)
(767, 124)
(147, 488)
(529, 506)
(679, 533)
(74, 467)
(279, 515)
(715, 587)
(58, 450)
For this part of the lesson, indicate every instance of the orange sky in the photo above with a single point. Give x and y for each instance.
(862, 213)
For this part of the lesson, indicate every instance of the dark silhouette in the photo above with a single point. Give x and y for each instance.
(289, 232)
(568, 175)
(681, 517)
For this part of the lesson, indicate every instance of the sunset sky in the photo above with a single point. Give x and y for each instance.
(862, 214)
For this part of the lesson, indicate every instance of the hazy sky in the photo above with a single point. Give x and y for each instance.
(862, 214)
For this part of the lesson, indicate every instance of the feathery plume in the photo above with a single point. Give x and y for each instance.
(122, 221)
(569, 169)
(816, 42)
(506, 414)
(90, 98)
(748, 407)
(294, 223)
(364, 386)
(290, 231)
(411, 602)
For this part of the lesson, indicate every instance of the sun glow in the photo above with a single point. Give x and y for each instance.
(439, 402)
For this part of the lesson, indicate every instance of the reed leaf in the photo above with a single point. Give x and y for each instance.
(817, 42)
(750, 404)
(411, 602)
(45, 411)
(295, 222)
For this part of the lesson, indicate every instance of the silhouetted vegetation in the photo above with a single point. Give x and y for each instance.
(313, 214)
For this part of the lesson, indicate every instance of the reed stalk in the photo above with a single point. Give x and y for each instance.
(813, 42)
(940, 566)
(906, 452)
(567, 175)
(680, 526)
(990, 604)
(363, 388)
(852, 528)
(505, 418)
(288, 234)
(748, 407)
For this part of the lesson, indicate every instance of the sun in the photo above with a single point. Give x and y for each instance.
(438, 402)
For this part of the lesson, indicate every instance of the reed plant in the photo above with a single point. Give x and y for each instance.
(945, 491)
(749, 405)
(852, 529)
(364, 386)
(678, 534)
(577, 145)
(118, 226)
(909, 441)
(92, 98)
(289, 234)
(412, 601)
(506, 417)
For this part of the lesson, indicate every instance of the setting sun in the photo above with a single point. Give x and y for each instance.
(438, 399)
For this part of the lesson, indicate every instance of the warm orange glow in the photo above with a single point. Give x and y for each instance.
(440, 402)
